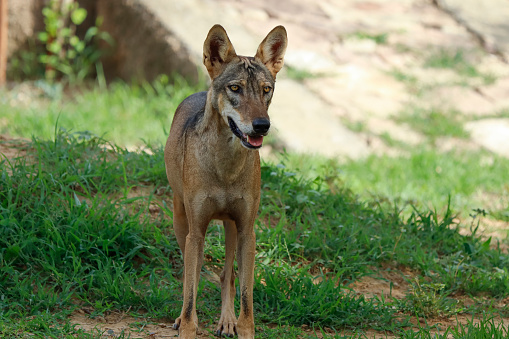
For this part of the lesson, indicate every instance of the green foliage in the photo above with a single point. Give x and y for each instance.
(353, 233)
(435, 123)
(429, 300)
(79, 228)
(380, 39)
(449, 59)
(288, 295)
(125, 114)
(299, 74)
(67, 54)
(502, 214)
(24, 64)
(64, 239)
(484, 328)
(423, 177)
(355, 126)
(457, 61)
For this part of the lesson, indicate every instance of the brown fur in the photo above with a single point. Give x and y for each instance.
(215, 173)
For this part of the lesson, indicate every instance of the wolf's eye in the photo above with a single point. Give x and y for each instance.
(266, 89)
(234, 88)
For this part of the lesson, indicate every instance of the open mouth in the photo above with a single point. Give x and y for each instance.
(249, 141)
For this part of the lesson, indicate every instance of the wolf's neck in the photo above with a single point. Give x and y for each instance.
(222, 150)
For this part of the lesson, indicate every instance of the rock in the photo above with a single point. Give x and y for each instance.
(498, 93)
(360, 46)
(399, 132)
(306, 124)
(309, 61)
(255, 14)
(394, 59)
(361, 91)
(145, 46)
(461, 99)
(491, 65)
(492, 134)
(431, 77)
(25, 19)
(450, 144)
(191, 20)
(488, 19)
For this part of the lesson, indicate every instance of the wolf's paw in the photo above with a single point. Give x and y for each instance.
(245, 328)
(187, 330)
(176, 325)
(227, 327)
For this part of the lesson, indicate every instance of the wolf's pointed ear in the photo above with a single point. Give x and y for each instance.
(272, 50)
(217, 51)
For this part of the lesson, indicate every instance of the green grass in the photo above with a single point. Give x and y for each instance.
(423, 177)
(410, 81)
(457, 61)
(380, 39)
(78, 231)
(428, 300)
(434, 123)
(88, 225)
(299, 74)
(502, 214)
(125, 114)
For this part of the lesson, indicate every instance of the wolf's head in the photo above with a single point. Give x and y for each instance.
(242, 87)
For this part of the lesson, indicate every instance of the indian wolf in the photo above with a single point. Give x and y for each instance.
(213, 168)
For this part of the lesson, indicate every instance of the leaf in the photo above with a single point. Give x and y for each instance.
(55, 47)
(74, 40)
(80, 46)
(78, 16)
(469, 249)
(301, 198)
(47, 12)
(486, 245)
(65, 32)
(43, 58)
(43, 36)
(91, 32)
(12, 252)
(76, 199)
(71, 54)
(64, 68)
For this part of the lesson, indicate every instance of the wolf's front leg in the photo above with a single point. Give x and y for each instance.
(187, 323)
(246, 258)
(227, 325)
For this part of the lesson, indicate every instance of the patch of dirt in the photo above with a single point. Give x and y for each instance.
(116, 324)
(11, 148)
(388, 284)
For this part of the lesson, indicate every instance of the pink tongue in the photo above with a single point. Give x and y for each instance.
(255, 141)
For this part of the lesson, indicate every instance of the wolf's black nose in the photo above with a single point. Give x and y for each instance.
(261, 125)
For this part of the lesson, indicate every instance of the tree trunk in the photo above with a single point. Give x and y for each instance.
(3, 40)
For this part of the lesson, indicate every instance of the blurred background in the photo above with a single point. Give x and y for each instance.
(405, 99)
